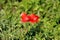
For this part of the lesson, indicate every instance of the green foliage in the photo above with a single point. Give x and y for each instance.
(48, 28)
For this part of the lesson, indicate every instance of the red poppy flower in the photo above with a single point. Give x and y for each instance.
(24, 17)
(29, 18)
(33, 18)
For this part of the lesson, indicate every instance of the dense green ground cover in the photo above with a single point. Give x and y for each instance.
(48, 28)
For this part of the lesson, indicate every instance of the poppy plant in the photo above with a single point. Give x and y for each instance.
(34, 18)
(24, 17)
(29, 18)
